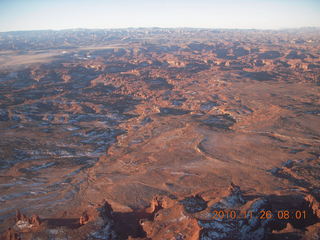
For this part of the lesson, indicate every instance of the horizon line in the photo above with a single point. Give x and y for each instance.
(155, 27)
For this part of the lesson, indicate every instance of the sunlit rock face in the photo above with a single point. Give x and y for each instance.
(150, 133)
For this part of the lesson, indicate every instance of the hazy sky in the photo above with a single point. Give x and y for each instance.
(61, 14)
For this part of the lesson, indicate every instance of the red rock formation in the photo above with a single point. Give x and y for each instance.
(313, 204)
(10, 234)
(171, 222)
(24, 223)
(84, 218)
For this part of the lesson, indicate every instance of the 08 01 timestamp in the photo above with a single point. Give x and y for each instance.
(262, 214)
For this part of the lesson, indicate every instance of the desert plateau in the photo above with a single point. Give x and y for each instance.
(160, 134)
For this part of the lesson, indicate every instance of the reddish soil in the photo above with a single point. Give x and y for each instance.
(167, 127)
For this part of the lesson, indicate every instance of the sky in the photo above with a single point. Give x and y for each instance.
(66, 14)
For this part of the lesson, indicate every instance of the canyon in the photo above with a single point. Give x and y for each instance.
(144, 133)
